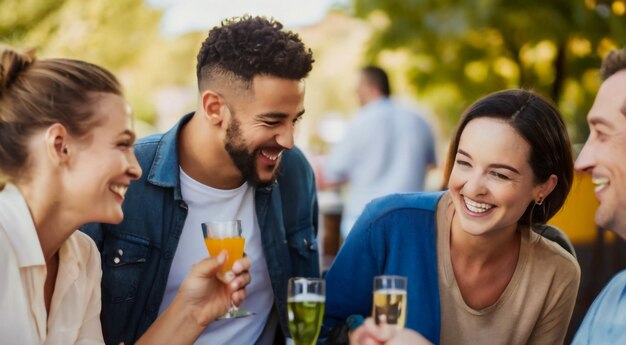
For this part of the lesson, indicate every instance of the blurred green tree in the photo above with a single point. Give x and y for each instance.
(121, 35)
(110, 33)
(462, 49)
(18, 17)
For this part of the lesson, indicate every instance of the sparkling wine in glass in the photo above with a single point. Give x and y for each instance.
(305, 307)
(226, 235)
(389, 307)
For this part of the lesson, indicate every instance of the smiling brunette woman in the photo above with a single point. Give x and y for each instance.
(66, 155)
(477, 273)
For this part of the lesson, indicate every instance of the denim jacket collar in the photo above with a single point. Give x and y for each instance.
(164, 169)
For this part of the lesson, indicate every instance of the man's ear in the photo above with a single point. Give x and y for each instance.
(212, 104)
(57, 143)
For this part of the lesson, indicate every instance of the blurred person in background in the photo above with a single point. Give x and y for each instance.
(232, 158)
(387, 149)
(477, 271)
(66, 159)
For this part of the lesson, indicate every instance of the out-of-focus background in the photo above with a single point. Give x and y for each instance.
(441, 56)
(441, 53)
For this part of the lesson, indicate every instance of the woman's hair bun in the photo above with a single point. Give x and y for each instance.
(12, 64)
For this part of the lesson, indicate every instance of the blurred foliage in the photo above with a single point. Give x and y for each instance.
(462, 49)
(446, 53)
(157, 70)
(338, 42)
(121, 35)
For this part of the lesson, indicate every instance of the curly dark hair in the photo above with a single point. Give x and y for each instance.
(614, 62)
(250, 46)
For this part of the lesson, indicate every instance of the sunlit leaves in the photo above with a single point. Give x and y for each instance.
(479, 46)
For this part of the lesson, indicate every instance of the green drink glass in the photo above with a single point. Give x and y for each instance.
(305, 305)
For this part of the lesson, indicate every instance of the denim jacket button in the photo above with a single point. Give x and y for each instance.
(305, 242)
(120, 252)
(116, 260)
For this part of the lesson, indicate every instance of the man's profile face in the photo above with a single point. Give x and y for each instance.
(604, 153)
(261, 127)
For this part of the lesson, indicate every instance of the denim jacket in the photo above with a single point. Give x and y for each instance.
(137, 253)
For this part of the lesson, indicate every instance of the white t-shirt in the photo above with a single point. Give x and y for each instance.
(209, 204)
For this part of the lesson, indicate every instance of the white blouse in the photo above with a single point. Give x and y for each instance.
(75, 307)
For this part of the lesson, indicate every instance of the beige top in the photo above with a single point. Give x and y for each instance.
(75, 306)
(536, 306)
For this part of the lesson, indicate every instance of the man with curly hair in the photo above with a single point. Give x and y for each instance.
(233, 158)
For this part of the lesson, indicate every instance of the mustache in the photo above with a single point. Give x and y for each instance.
(270, 148)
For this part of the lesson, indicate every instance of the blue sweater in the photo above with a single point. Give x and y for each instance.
(395, 235)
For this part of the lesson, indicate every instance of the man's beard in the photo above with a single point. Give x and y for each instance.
(244, 161)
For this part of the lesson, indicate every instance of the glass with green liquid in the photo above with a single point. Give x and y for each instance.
(305, 306)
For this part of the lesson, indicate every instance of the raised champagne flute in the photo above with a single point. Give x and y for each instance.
(306, 298)
(389, 308)
(226, 235)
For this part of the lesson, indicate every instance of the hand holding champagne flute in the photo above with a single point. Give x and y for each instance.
(305, 305)
(226, 235)
(369, 333)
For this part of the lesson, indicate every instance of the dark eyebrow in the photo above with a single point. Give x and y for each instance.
(601, 121)
(459, 151)
(129, 133)
(504, 166)
(495, 165)
(277, 116)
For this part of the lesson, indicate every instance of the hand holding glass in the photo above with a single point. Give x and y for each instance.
(389, 307)
(226, 235)
(305, 306)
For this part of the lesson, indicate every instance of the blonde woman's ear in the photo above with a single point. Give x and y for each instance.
(56, 139)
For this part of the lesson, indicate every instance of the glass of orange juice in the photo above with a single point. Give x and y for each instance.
(226, 235)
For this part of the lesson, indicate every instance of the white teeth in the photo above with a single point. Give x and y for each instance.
(600, 183)
(265, 154)
(119, 189)
(476, 207)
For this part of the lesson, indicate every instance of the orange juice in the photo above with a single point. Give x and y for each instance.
(233, 245)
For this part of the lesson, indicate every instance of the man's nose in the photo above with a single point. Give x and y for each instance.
(285, 137)
(585, 158)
